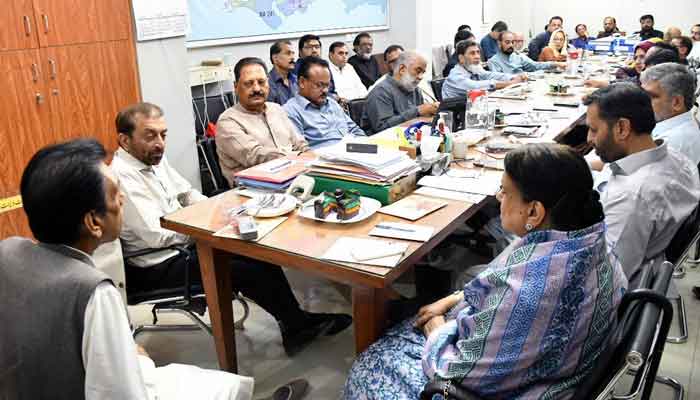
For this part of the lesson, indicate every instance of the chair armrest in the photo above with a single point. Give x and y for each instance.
(454, 391)
(181, 249)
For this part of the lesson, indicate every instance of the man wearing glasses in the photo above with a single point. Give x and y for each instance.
(310, 45)
(320, 118)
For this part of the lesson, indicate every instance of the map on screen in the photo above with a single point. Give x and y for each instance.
(221, 20)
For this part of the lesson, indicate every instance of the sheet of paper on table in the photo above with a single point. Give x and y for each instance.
(381, 253)
(450, 194)
(412, 207)
(486, 184)
(265, 226)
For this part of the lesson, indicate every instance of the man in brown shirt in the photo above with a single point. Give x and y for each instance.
(254, 131)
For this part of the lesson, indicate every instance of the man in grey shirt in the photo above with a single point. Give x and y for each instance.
(652, 188)
(398, 99)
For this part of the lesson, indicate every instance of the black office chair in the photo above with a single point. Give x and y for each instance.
(356, 109)
(187, 300)
(634, 347)
(436, 85)
(208, 109)
(213, 180)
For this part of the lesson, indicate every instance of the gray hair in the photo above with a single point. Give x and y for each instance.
(675, 79)
(406, 58)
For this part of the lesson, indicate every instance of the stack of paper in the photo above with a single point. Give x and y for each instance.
(385, 166)
(273, 175)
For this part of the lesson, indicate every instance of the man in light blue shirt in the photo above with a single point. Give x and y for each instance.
(318, 117)
(652, 188)
(671, 87)
(489, 43)
(469, 74)
(508, 61)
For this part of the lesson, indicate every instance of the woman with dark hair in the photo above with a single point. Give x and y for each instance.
(534, 322)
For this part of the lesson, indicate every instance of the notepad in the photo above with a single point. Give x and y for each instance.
(412, 207)
(366, 251)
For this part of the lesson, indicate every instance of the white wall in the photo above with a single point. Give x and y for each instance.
(448, 15)
(532, 15)
(165, 81)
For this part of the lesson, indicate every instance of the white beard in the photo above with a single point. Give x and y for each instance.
(475, 69)
(408, 82)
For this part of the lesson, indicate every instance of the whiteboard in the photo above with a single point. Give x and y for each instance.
(157, 19)
(217, 22)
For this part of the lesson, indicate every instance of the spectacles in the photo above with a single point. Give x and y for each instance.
(312, 47)
(321, 85)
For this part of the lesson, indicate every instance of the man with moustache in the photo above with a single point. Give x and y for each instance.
(398, 99)
(647, 30)
(365, 65)
(320, 118)
(609, 28)
(310, 45)
(507, 61)
(283, 82)
(469, 74)
(254, 131)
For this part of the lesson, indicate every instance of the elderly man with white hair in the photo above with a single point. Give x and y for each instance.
(469, 74)
(398, 99)
(672, 90)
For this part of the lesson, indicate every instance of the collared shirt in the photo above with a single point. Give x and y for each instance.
(646, 35)
(150, 191)
(581, 43)
(347, 83)
(489, 47)
(537, 44)
(389, 105)
(516, 63)
(648, 196)
(367, 70)
(321, 125)
(245, 139)
(279, 92)
(682, 134)
(461, 80)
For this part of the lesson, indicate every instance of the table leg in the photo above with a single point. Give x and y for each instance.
(216, 277)
(369, 315)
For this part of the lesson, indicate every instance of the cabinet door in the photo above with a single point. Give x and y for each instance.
(62, 22)
(18, 28)
(24, 127)
(115, 19)
(88, 84)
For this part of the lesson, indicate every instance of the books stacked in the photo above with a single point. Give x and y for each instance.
(381, 168)
(275, 175)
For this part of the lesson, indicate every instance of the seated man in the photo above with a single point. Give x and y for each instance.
(685, 46)
(672, 90)
(77, 344)
(253, 131)
(365, 65)
(391, 54)
(398, 99)
(518, 42)
(347, 83)
(469, 74)
(647, 30)
(310, 45)
(508, 61)
(609, 28)
(489, 43)
(152, 188)
(462, 34)
(652, 188)
(318, 117)
(283, 82)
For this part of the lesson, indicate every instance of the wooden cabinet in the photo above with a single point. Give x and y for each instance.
(66, 68)
(17, 26)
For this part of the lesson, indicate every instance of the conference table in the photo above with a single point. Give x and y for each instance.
(299, 243)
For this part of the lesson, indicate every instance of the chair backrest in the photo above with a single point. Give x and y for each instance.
(357, 113)
(685, 237)
(383, 66)
(207, 146)
(436, 84)
(637, 340)
(208, 109)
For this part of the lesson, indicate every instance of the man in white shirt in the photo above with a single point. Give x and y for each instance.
(347, 83)
(74, 339)
(671, 87)
(152, 189)
(695, 36)
(651, 189)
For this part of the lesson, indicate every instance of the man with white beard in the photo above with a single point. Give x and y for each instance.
(398, 99)
(469, 74)
(365, 65)
(509, 62)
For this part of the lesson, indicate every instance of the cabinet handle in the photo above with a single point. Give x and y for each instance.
(39, 98)
(27, 25)
(55, 92)
(46, 22)
(52, 65)
(35, 72)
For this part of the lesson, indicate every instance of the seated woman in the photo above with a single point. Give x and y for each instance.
(556, 49)
(532, 325)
